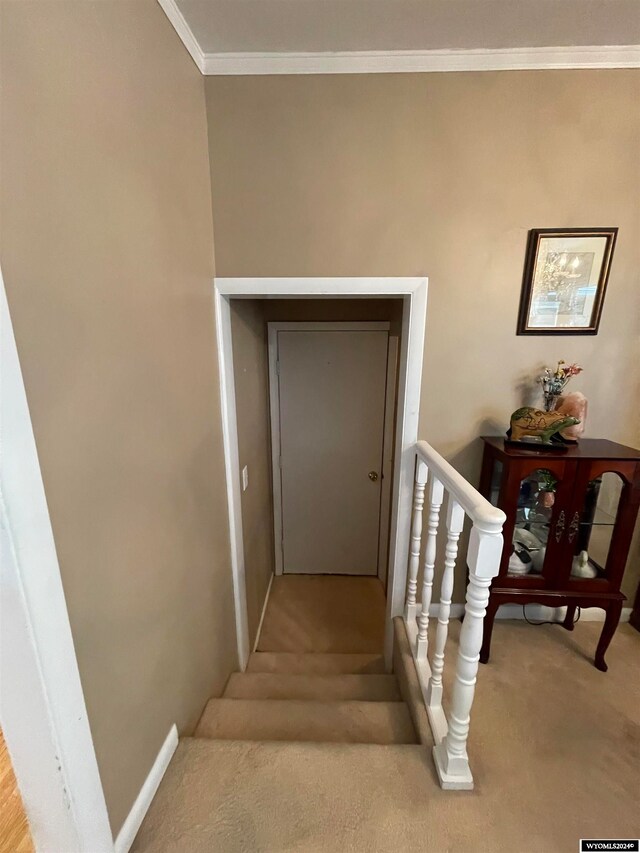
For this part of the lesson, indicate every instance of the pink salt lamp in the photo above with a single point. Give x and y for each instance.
(574, 405)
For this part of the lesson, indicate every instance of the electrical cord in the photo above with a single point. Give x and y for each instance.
(547, 621)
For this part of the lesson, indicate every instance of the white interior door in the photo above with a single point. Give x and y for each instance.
(329, 425)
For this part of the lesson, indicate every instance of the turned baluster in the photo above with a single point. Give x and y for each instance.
(483, 560)
(436, 494)
(455, 522)
(416, 538)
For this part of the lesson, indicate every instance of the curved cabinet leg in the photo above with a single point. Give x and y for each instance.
(610, 624)
(570, 617)
(492, 608)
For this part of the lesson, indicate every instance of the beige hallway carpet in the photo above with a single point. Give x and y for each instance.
(554, 748)
(324, 613)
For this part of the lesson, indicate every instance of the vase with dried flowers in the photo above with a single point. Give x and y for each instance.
(554, 382)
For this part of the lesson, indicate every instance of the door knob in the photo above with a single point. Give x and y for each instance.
(373, 476)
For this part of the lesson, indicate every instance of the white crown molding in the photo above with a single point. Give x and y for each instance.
(401, 61)
(180, 25)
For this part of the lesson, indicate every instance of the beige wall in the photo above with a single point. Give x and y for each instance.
(251, 380)
(443, 175)
(107, 258)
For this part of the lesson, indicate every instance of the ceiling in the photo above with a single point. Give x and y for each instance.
(240, 26)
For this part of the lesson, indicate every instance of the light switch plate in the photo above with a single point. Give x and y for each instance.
(245, 478)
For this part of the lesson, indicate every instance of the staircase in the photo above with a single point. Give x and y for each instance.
(315, 747)
(321, 749)
(302, 752)
(320, 698)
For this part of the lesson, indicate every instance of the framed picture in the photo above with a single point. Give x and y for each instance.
(565, 278)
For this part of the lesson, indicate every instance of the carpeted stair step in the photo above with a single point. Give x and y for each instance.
(319, 663)
(305, 720)
(235, 795)
(325, 688)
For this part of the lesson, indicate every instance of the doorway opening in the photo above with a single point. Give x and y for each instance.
(334, 497)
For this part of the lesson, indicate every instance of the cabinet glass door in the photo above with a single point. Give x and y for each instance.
(536, 520)
(591, 528)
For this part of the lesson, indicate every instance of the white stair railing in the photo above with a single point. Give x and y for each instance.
(483, 562)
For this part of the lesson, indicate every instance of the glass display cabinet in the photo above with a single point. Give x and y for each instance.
(570, 519)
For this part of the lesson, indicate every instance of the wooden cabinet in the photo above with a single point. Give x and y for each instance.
(570, 519)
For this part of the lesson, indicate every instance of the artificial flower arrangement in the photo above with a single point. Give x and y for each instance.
(554, 382)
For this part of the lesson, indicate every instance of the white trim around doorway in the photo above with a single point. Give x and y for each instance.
(413, 291)
(274, 411)
(387, 459)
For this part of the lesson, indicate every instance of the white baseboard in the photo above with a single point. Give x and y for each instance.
(132, 824)
(264, 610)
(542, 613)
(535, 612)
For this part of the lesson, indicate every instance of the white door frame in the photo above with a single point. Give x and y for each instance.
(413, 291)
(42, 710)
(387, 459)
(274, 414)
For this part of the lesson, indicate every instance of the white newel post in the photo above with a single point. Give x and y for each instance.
(455, 523)
(416, 539)
(436, 494)
(483, 560)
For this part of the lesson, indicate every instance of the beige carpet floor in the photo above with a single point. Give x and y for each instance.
(329, 613)
(554, 748)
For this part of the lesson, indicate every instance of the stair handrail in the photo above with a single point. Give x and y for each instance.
(476, 506)
(483, 562)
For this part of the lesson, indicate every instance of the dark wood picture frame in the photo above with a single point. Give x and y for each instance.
(531, 258)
